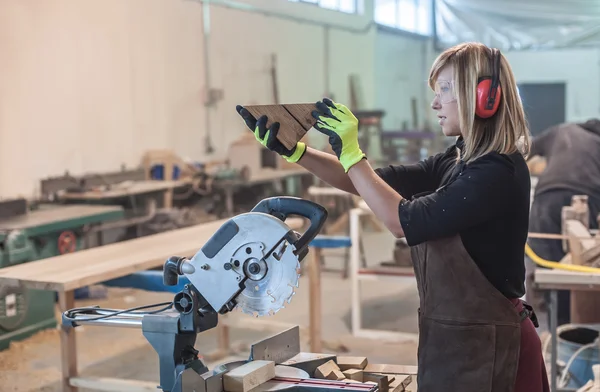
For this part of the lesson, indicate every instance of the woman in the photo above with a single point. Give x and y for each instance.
(464, 212)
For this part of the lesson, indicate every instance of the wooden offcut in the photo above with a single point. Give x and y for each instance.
(381, 380)
(401, 381)
(346, 363)
(294, 119)
(329, 371)
(249, 375)
(353, 374)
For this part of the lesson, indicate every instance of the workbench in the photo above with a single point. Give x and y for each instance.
(119, 191)
(66, 273)
(554, 280)
(127, 190)
(55, 218)
(264, 176)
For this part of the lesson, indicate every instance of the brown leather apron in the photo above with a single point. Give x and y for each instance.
(469, 332)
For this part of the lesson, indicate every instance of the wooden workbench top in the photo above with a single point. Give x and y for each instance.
(124, 190)
(96, 265)
(52, 214)
(559, 279)
(264, 175)
(142, 187)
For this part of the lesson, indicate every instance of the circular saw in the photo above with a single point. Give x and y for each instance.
(252, 262)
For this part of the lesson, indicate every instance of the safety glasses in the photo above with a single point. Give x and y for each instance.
(444, 91)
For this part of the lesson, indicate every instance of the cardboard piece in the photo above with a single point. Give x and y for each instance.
(295, 120)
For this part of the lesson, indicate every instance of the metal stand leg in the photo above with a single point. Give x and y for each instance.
(553, 342)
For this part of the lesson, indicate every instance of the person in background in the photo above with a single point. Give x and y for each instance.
(464, 212)
(572, 154)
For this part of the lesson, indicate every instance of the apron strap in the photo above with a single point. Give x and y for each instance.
(528, 312)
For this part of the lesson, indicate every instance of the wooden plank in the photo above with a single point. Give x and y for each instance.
(249, 375)
(109, 384)
(96, 265)
(136, 188)
(585, 305)
(56, 213)
(560, 277)
(295, 120)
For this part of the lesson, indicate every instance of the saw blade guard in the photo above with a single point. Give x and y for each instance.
(283, 207)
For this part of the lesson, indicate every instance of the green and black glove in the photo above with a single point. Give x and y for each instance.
(337, 121)
(268, 136)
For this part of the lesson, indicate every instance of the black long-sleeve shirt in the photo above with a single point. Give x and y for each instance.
(486, 202)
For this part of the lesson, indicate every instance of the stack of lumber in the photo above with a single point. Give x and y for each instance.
(389, 378)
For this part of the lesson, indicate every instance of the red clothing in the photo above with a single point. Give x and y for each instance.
(531, 374)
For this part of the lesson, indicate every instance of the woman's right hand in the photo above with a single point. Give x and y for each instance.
(268, 136)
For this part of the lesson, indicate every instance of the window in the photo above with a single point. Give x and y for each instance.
(410, 15)
(349, 6)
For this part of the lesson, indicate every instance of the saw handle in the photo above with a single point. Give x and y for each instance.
(283, 206)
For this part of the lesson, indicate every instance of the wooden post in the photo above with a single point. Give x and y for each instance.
(314, 303)
(223, 339)
(585, 305)
(578, 210)
(66, 301)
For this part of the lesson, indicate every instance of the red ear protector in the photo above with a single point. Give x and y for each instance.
(489, 90)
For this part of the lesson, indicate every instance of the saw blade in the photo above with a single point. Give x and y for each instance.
(271, 280)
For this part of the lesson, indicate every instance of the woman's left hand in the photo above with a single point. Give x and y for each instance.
(337, 121)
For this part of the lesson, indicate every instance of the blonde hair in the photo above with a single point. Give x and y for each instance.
(507, 131)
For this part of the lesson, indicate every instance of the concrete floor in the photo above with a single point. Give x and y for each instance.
(34, 364)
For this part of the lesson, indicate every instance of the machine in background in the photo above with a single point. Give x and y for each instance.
(32, 234)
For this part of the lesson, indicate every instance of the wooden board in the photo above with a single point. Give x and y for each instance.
(120, 191)
(96, 265)
(49, 215)
(548, 279)
(248, 376)
(295, 120)
(346, 362)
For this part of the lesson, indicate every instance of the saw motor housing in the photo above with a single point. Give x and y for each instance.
(253, 260)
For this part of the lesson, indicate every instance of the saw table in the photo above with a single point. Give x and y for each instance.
(26, 236)
(278, 364)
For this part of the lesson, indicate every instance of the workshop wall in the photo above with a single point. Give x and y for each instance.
(402, 63)
(89, 86)
(578, 68)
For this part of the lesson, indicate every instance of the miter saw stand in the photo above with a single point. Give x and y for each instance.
(250, 263)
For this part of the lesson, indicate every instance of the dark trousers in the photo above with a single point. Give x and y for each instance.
(545, 217)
